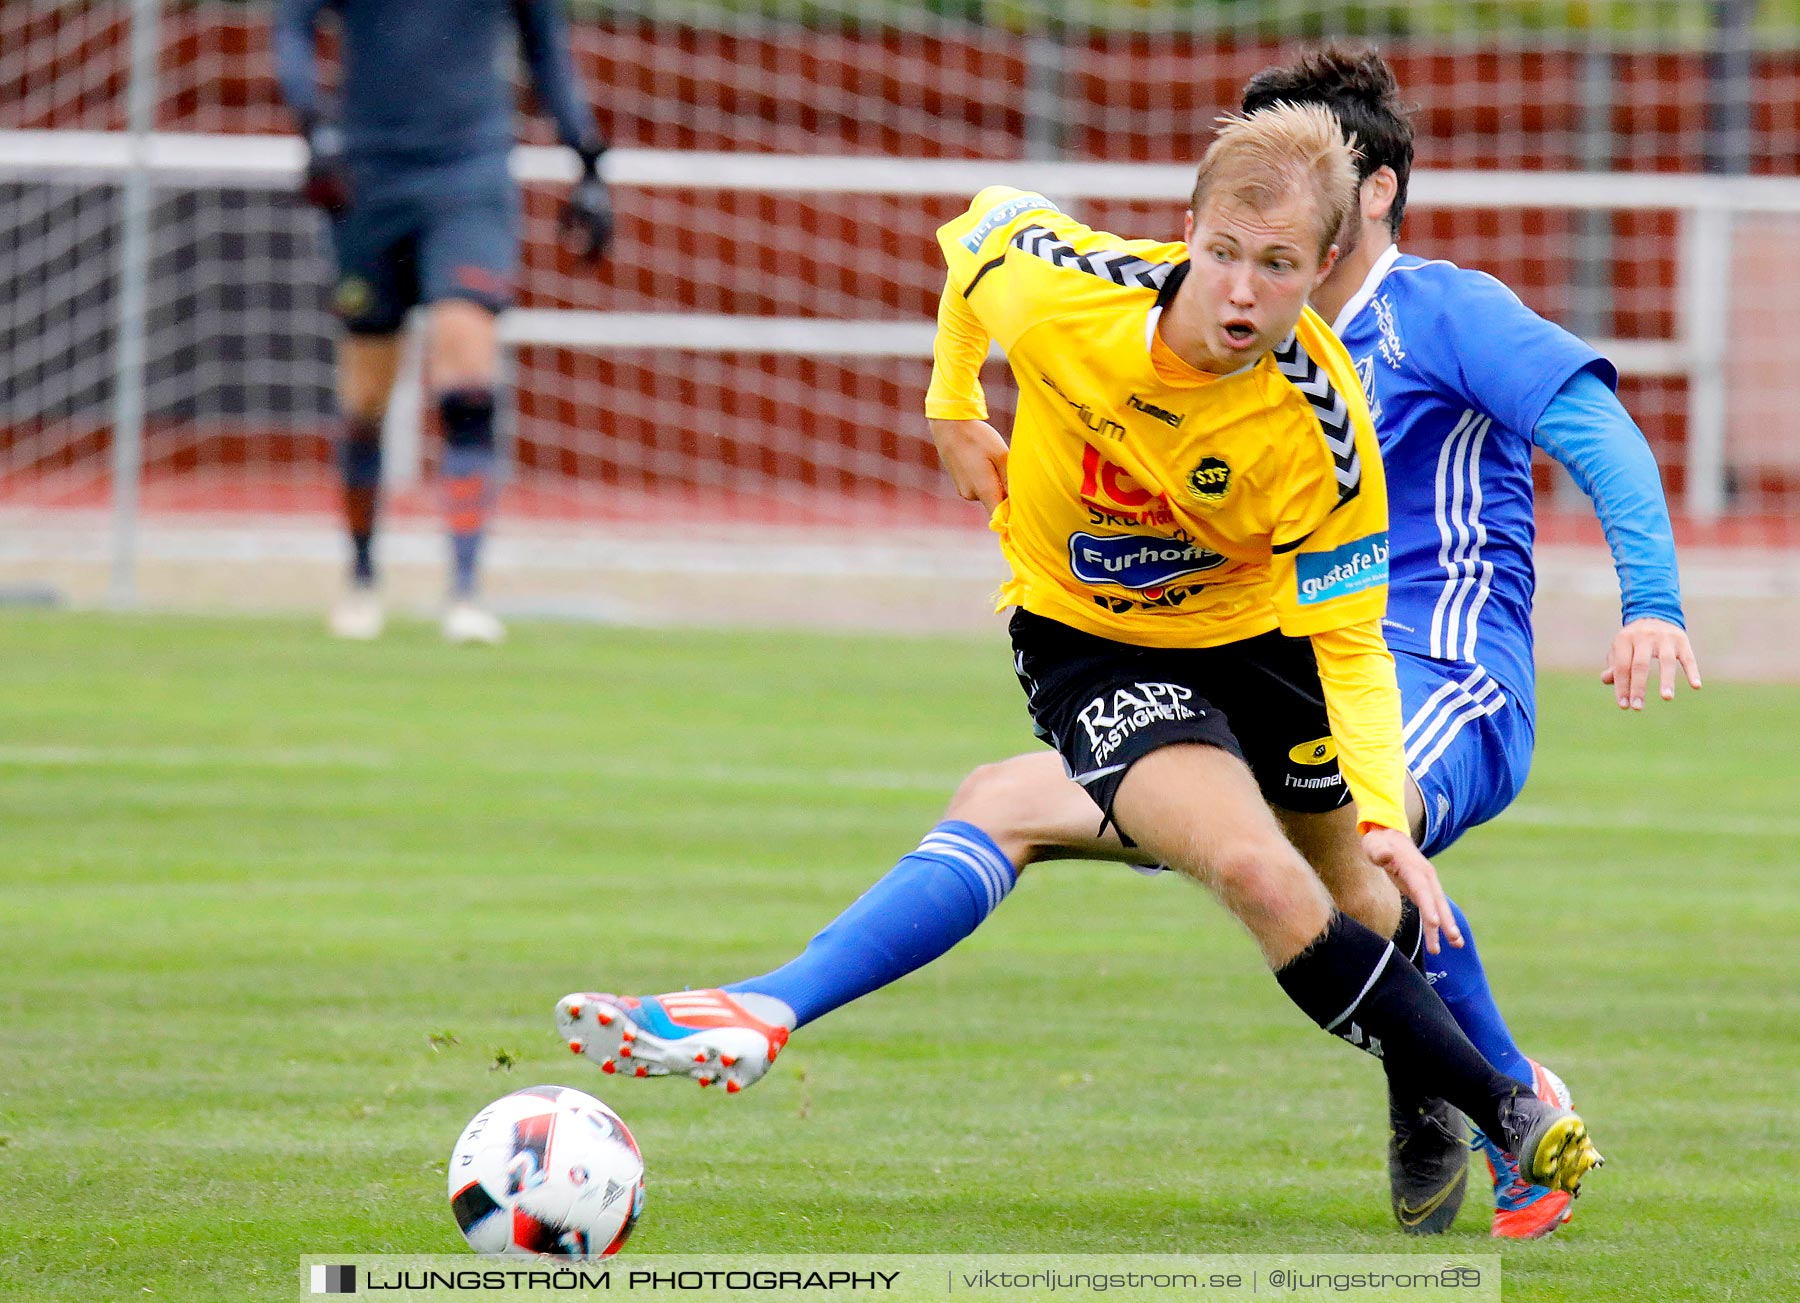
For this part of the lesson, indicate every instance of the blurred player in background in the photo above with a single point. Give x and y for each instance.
(411, 169)
(1201, 647)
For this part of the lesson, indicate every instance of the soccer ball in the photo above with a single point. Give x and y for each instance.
(548, 1171)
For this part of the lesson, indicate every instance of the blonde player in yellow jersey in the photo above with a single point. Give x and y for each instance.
(1196, 521)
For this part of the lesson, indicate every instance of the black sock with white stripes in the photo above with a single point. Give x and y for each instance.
(1409, 944)
(1355, 984)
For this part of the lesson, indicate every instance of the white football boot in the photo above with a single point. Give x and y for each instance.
(466, 624)
(357, 614)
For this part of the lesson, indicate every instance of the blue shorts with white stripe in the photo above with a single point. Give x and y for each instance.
(1468, 744)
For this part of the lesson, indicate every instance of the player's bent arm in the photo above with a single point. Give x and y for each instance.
(973, 453)
(1589, 432)
(296, 59)
(587, 214)
(326, 183)
(1328, 581)
(544, 40)
(974, 456)
(957, 352)
(1362, 700)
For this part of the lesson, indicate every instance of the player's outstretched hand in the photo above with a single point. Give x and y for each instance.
(1412, 873)
(974, 455)
(1637, 644)
(327, 183)
(587, 215)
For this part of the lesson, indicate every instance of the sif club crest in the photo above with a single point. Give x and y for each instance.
(1210, 481)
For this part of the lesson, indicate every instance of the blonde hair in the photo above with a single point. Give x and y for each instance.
(1260, 158)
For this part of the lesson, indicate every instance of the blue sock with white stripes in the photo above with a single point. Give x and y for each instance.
(926, 903)
(1461, 983)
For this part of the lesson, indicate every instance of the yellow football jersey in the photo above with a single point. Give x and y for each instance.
(1149, 502)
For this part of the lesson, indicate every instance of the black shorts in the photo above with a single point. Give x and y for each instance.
(1105, 705)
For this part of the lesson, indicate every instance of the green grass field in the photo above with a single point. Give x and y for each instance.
(277, 916)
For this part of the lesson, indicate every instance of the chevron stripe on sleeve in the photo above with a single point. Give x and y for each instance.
(1328, 405)
(1115, 265)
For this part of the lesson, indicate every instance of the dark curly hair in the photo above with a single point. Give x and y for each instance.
(1356, 84)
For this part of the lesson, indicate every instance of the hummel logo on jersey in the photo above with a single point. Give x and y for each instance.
(1167, 417)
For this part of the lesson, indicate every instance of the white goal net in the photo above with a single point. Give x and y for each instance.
(757, 347)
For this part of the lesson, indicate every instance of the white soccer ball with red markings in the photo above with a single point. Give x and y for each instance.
(547, 1171)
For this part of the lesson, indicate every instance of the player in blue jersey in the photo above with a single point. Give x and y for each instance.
(411, 169)
(1464, 381)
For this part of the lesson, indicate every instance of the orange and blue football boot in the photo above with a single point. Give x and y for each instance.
(709, 1035)
(1524, 1210)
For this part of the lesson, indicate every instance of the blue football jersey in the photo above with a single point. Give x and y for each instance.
(426, 81)
(1458, 371)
